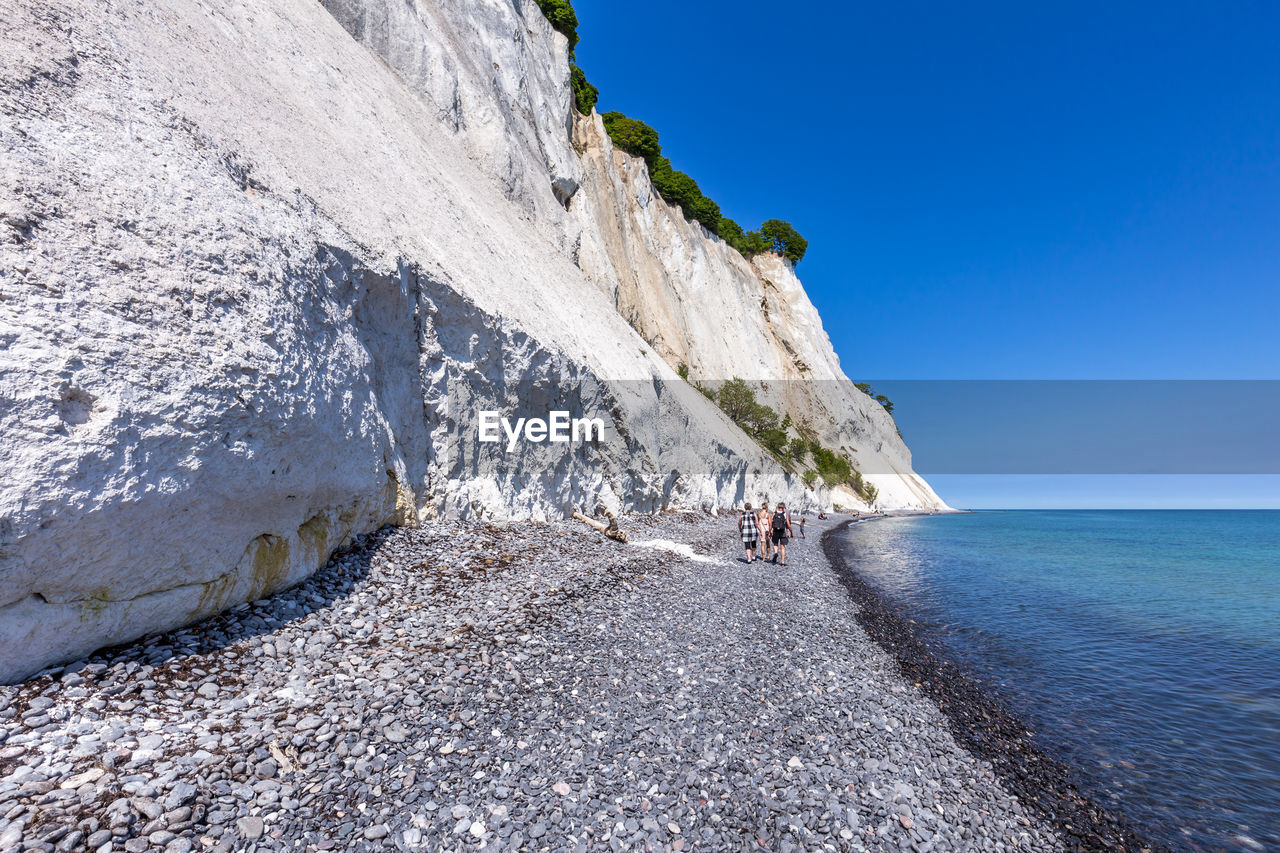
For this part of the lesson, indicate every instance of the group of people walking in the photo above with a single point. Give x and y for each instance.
(768, 531)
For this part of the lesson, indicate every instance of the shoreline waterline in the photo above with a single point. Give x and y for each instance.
(979, 719)
(464, 682)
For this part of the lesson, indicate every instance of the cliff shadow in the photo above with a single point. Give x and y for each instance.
(174, 654)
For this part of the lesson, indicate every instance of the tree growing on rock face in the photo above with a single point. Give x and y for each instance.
(834, 468)
(731, 232)
(563, 19)
(784, 239)
(737, 400)
(584, 94)
(680, 189)
(706, 211)
(675, 187)
(748, 243)
(866, 388)
(633, 136)
(755, 244)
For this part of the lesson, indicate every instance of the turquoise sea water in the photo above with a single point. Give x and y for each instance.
(1143, 647)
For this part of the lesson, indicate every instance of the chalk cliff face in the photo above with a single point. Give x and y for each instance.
(260, 264)
(701, 304)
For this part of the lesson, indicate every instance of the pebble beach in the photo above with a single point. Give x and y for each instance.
(524, 687)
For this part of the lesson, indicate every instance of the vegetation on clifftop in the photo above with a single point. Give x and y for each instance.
(562, 17)
(584, 94)
(636, 137)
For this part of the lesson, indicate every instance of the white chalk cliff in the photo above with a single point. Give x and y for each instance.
(260, 263)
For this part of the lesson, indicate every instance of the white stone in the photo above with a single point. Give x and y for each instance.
(85, 778)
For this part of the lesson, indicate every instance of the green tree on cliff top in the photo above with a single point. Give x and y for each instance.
(784, 239)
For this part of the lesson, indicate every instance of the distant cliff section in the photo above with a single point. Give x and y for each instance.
(261, 264)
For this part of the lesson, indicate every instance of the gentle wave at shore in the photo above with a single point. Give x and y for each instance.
(1143, 648)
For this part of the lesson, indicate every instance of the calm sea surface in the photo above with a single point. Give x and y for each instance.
(1143, 647)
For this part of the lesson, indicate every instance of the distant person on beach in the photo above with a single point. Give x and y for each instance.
(762, 519)
(780, 531)
(749, 530)
(804, 516)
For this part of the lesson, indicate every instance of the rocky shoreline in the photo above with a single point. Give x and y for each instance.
(522, 687)
(982, 723)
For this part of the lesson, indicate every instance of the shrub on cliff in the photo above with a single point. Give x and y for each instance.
(738, 401)
(865, 388)
(584, 94)
(675, 187)
(755, 244)
(833, 468)
(680, 189)
(732, 233)
(774, 441)
(707, 212)
(636, 137)
(562, 17)
(633, 136)
(784, 239)
(748, 243)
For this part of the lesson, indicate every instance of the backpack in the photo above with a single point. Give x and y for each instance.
(779, 521)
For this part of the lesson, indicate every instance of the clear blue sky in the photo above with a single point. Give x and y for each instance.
(990, 190)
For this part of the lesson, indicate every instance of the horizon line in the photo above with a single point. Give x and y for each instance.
(1124, 509)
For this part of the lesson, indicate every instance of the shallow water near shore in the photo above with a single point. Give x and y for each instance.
(1142, 647)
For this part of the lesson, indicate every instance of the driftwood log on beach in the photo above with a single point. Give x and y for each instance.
(611, 529)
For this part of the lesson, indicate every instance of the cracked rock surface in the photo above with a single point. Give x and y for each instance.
(529, 687)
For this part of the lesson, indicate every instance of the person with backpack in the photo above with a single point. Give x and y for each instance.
(749, 531)
(780, 531)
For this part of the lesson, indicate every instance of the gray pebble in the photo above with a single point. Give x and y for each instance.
(250, 828)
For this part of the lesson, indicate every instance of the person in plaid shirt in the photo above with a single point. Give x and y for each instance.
(749, 530)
